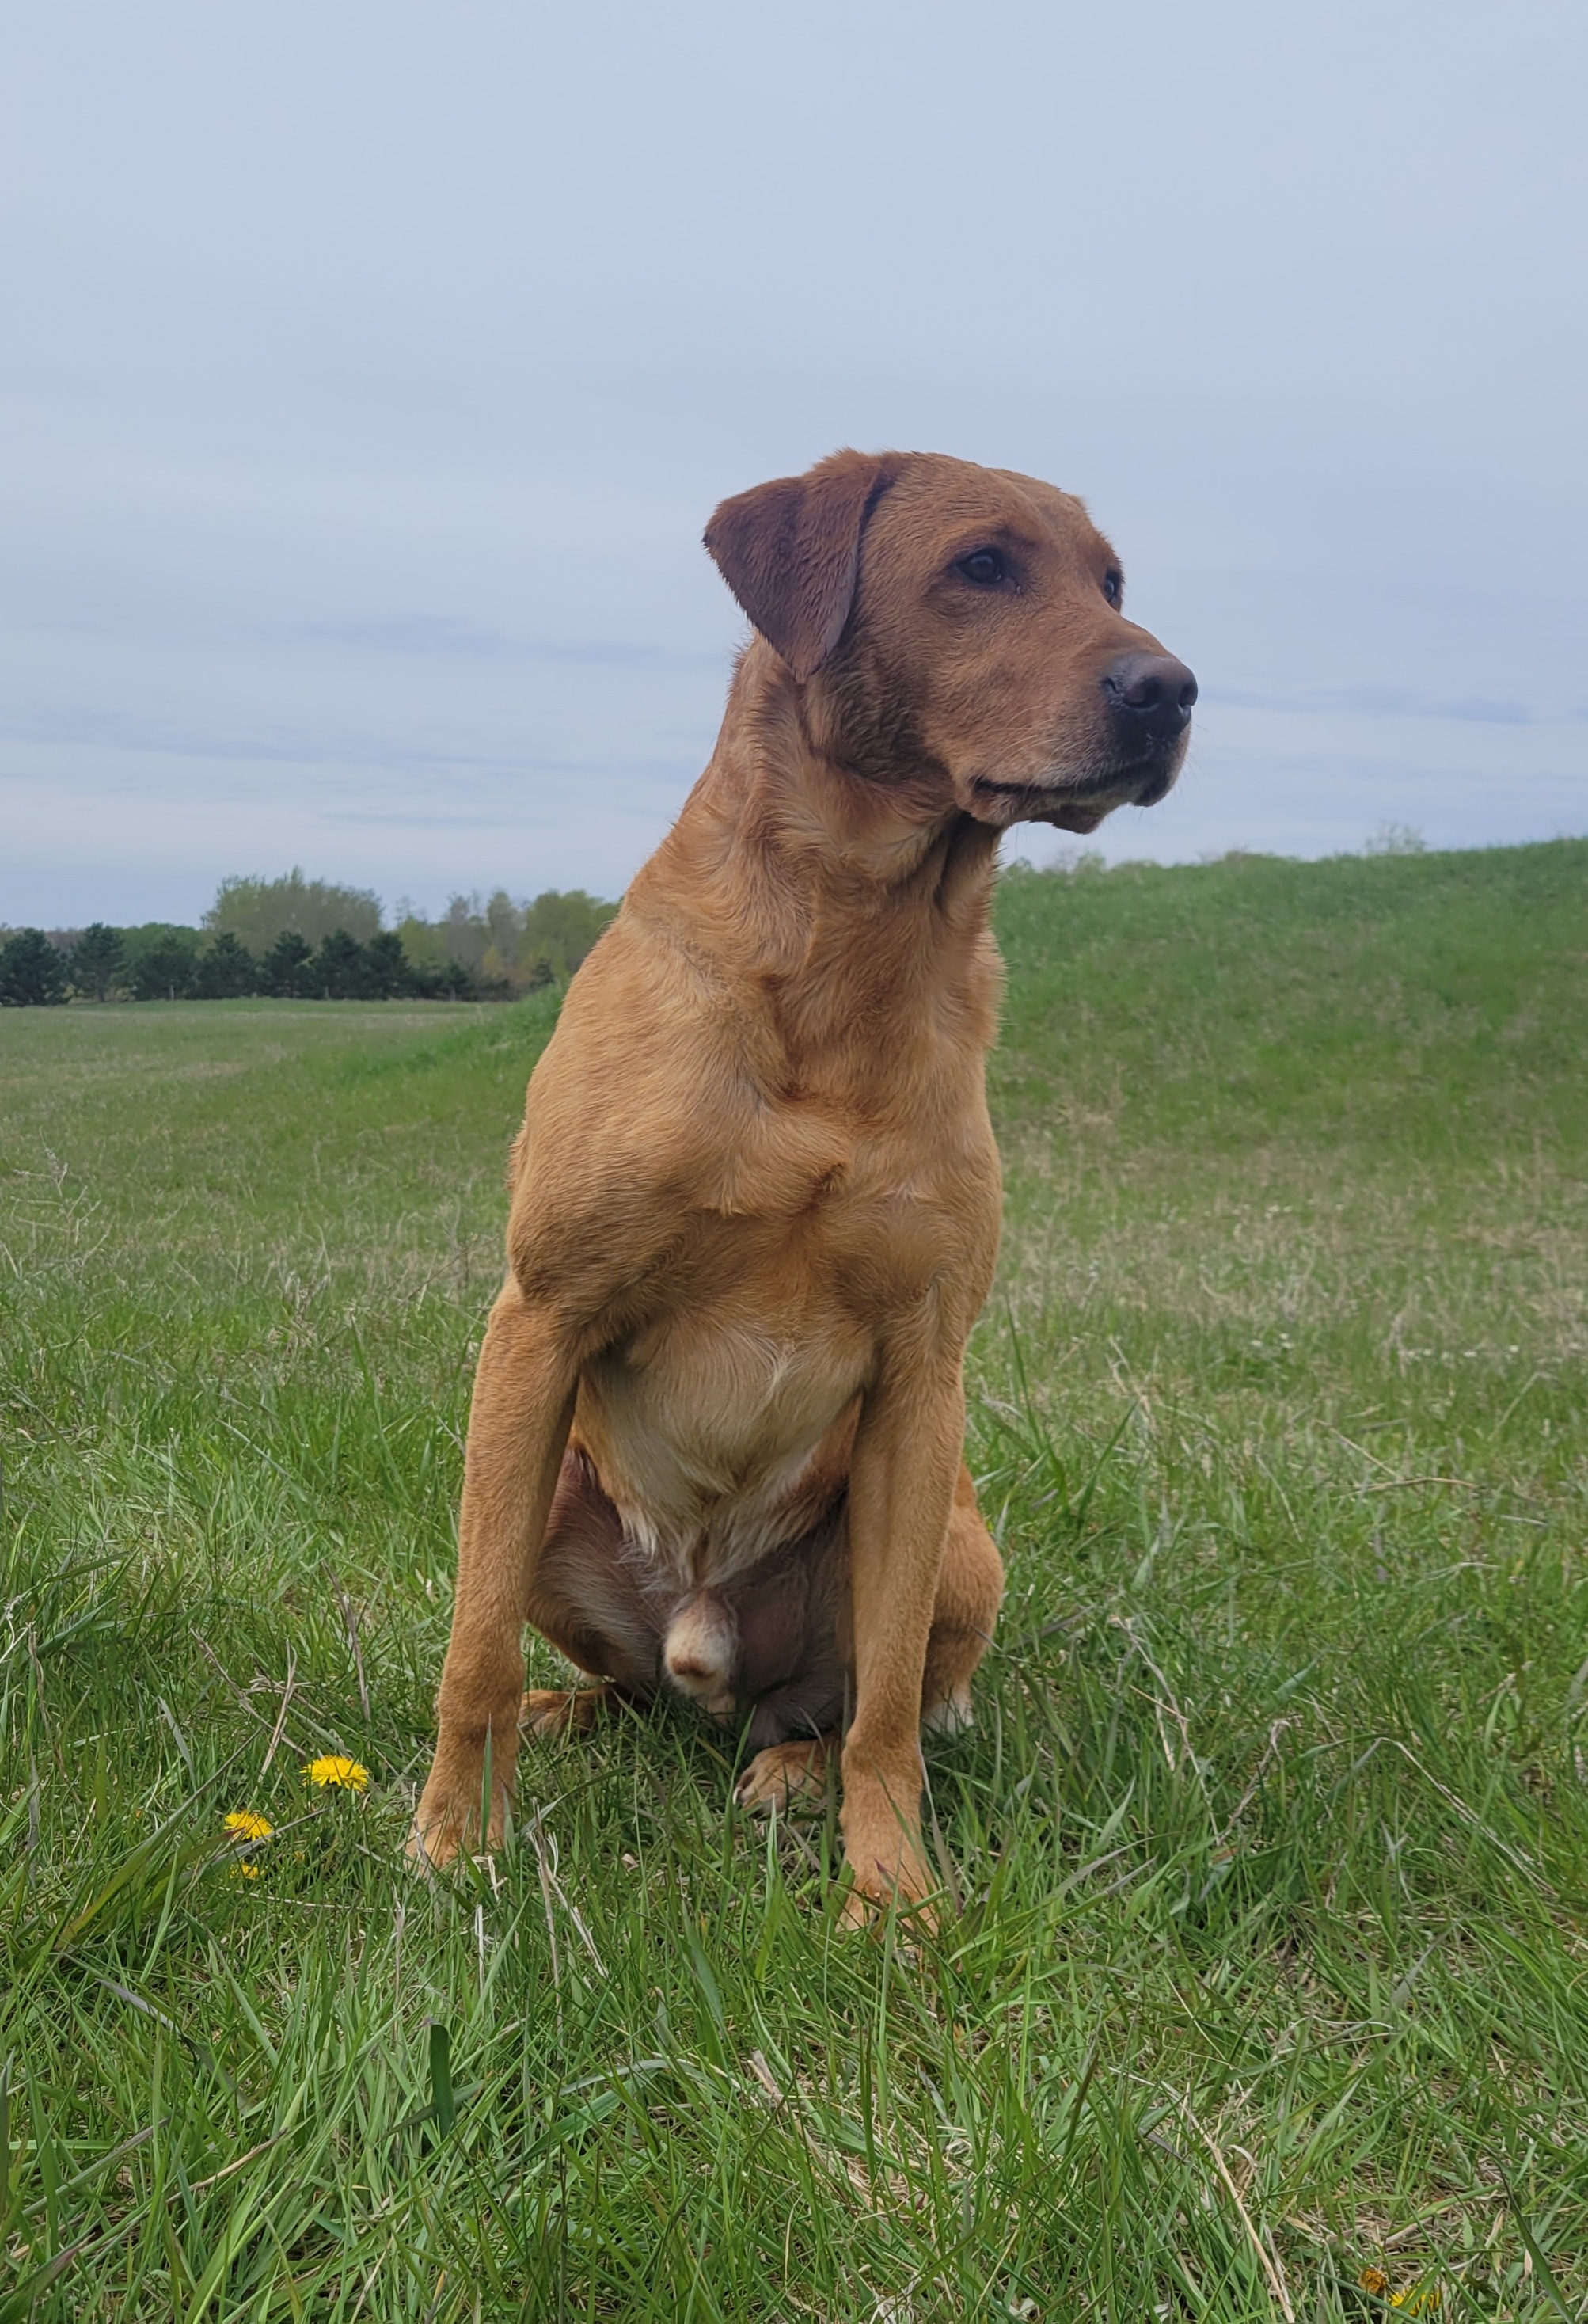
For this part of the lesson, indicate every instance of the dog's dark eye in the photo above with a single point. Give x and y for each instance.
(984, 567)
(1112, 588)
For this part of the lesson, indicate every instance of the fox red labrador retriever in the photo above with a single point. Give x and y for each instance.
(717, 1441)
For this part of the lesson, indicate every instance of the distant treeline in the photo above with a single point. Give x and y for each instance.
(297, 939)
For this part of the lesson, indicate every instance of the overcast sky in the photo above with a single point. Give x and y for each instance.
(369, 373)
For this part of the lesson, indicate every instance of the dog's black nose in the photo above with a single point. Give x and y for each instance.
(1152, 691)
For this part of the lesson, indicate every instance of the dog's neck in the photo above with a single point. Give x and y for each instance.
(808, 879)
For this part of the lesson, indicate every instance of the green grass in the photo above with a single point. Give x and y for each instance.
(1271, 1845)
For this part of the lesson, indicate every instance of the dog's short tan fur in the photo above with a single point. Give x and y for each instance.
(717, 1434)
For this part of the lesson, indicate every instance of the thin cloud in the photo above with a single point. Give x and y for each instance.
(1391, 701)
(279, 746)
(467, 640)
(369, 483)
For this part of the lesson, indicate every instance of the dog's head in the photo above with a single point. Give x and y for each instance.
(959, 630)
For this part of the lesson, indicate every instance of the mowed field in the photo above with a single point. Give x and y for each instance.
(1262, 1989)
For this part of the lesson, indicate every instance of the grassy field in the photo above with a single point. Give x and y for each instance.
(1269, 1964)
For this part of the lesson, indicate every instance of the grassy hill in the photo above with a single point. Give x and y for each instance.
(1271, 1845)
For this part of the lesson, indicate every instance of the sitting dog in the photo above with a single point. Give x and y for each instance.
(717, 1439)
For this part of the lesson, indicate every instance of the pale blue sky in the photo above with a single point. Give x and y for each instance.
(368, 371)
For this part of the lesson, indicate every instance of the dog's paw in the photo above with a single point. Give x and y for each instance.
(905, 1896)
(437, 1832)
(785, 1779)
(562, 1709)
(886, 1865)
(430, 1851)
(447, 1821)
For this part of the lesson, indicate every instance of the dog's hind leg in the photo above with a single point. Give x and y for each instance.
(791, 1774)
(587, 1601)
(789, 1778)
(551, 1710)
(970, 1590)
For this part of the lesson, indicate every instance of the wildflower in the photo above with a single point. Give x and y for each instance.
(1416, 2302)
(334, 1769)
(247, 1825)
(247, 1829)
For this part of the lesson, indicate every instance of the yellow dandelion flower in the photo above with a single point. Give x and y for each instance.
(245, 1871)
(247, 1825)
(1375, 2280)
(1416, 2303)
(334, 1769)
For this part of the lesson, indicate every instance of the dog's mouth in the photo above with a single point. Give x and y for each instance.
(1092, 793)
(1159, 777)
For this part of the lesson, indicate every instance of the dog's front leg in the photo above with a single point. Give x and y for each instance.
(906, 1458)
(518, 1425)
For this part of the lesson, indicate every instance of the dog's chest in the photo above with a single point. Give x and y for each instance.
(868, 1215)
(721, 1423)
(720, 1432)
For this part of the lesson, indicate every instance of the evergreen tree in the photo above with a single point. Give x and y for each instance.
(99, 962)
(163, 971)
(32, 974)
(139, 942)
(284, 972)
(226, 972)
(454, 983)
(342, 968)
(389, 975)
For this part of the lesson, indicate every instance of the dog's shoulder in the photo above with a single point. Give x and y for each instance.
(649, 1055)
(643, 1113)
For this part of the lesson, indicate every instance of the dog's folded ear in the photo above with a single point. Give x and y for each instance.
(790, 551)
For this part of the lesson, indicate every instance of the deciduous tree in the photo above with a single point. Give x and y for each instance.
(256, 910)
